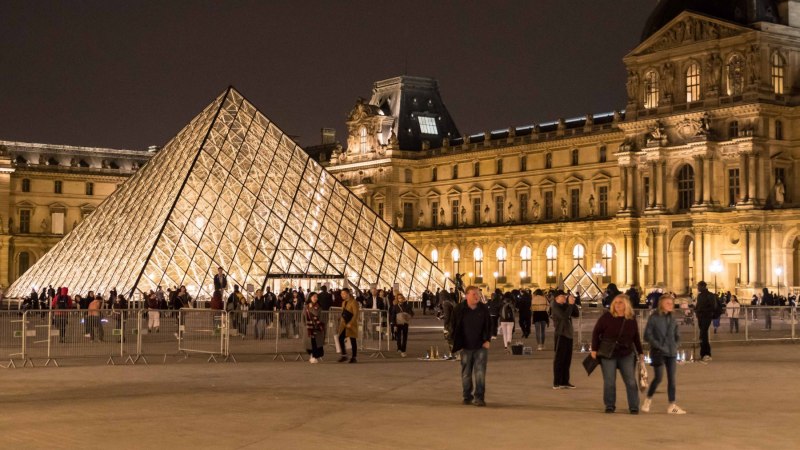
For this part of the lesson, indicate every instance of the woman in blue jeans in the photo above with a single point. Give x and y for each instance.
(662, 334)
(618, 327)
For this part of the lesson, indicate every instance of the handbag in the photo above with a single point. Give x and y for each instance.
(402, 318)
(642, 378)
(607, 346)
(590, 364)
(347, 316)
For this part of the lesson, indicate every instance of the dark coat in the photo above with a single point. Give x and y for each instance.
(458, 325)
(706, 305)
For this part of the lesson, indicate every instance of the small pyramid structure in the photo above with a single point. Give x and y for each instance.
(231, 190)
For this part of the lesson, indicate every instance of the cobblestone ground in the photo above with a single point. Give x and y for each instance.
(747, 397)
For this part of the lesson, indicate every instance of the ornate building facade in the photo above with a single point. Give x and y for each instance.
(694, 180)
(46, 190)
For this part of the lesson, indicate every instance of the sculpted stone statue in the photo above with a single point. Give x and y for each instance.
(510, 212)
(668, 75)
(441, 217)
(535, 210)
(753, 65)
(591, 205)
(563, 208)
(463, 215)
(780, 192)
(486, 217)
(421, 219)
(399, 220)
(620, 204)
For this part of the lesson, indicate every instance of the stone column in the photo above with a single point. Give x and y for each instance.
(743, 179)
(664, 258)
(655, 185)
(752, 176)
(754, 255)
(708, 167)
(662, 186)
(631, 254)
(631, 184)
(698, 179)
(651, 249)
(745, 230)
(658, 257)
(623, 186)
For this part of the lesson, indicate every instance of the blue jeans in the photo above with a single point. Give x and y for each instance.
(473, 364)
(671, 365)
(626, 366)
(540, 326)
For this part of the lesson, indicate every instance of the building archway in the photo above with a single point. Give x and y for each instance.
(681, 273)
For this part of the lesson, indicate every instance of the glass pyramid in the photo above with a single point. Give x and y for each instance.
(231, 190)
(580, 283)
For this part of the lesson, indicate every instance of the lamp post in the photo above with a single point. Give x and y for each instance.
(495, 279)
(779, 272)
(715, 268)
(522, 275)
(598, 271)
(470, 277)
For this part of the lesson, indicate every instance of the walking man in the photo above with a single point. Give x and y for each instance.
(706, 305)
(472, 335)
(563, 310)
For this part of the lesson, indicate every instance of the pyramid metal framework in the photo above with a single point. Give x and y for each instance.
(580, 281)
(231, 190)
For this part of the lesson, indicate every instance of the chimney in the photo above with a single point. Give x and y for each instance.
(328, 136)
(789, 12)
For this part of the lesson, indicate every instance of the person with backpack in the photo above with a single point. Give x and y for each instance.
(541, 318)
(62, 304)
(506, 319)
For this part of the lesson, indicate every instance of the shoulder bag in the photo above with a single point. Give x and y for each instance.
(607, 346)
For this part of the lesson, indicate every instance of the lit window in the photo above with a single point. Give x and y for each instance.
(478, 255)
(456, 255)
(552, 257)
(525, 256)
(651, 90)
(777, 73)
(685, 187)
(578, 254)
(435, 257)
(427, 125)
(607, 254)
(501, 254)
(693, 83)
(363, 140)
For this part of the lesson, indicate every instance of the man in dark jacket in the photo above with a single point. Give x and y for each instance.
(767, 299)
(325, 299)
(705, 310)
(471, 335)
(220, 280)
(562, 310)
(524, 307)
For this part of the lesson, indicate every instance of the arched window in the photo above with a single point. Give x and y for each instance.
(501, 254)
(579, 255)
(575, 157)
(435, 257)
(456, 255)
(478, 255)
(693, 83)
(685, 187)
(778, 130)
(607, 254)
(525, 255)
(552, 258)
(733, 129)
(651, 89)
(776, 70)
(362, 143)
(23, 262)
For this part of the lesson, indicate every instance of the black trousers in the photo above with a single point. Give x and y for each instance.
(495, 320)
(562, 360)
(705, 346)
(402, 337)
(353, 344)
(525, 325)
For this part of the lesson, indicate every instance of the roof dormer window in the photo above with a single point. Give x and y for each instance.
(427, 125)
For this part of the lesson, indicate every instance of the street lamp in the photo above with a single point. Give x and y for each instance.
(715, 268)
(779, 272)
(495, 279)
(522, 275)
(550, 276)
(470, 277)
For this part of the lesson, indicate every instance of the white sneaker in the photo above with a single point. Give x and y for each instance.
(313, 360)
(403, 354)
(646, 405)
(541, 347)
(706, 358)
(675, 409)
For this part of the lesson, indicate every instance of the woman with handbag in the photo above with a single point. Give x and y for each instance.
(400, 318)
(348, 325)
(315, 330)
(662, 334)
(615, 340)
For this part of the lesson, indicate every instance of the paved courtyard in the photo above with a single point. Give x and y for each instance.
(746, 398)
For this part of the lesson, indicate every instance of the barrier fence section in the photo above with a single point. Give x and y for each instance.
(53, 335)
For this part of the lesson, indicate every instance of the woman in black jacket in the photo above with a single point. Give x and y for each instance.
(618, 332)
(400, 316)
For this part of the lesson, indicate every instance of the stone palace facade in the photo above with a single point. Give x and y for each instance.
(694, 180)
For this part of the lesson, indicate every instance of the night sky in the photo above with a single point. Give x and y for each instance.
(128, 74)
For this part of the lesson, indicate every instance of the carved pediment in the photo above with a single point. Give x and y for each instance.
(685, 29)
